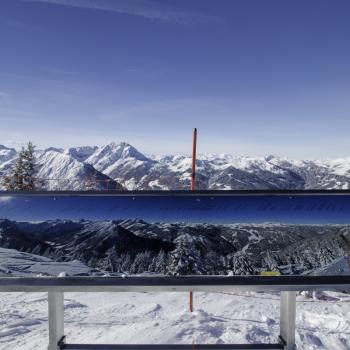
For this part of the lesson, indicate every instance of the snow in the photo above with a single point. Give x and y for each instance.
(134, 170)
(117, 157)
(339, 267)
(63, 166)
(113, 318)
(81, 153)
(6, 153)
(156, 185)
(7, 158)
(19, 264)
(323, 321)
(323, 318)
(340, 166)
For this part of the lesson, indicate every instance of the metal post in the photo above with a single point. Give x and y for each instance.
(287, 319)
(194, 156)
(56, 320)
(193, 187)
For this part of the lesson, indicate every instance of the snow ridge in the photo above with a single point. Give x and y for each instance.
(133, 170)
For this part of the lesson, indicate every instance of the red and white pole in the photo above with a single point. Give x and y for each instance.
(193, 187)
(194, 151)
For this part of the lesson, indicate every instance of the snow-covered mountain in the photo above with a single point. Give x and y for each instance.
(122, 162)
(62, 170)
(135, 170)
(73, 174)
(7, 156)
(136, 246)
(128, 167)
(80, 153)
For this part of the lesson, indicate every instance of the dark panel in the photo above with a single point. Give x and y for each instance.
(181, 233)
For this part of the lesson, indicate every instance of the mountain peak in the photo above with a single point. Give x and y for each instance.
(80, 153)
(7, 156)
(116, 151)
(270, 157)
(54, 149)
(124, 149)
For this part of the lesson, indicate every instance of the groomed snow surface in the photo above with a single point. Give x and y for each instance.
(113, 318)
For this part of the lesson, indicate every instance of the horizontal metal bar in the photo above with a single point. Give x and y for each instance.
(174, 284)
(172, 347)
(177, 193)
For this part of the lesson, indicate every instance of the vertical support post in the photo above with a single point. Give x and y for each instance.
(287, 319)
(56, 320)
(190, 301)
(194, 156)
(193, 187)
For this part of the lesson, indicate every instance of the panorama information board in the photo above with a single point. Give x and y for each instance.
(208, 233)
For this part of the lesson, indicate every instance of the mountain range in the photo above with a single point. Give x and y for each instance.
(135, 246)
(122, 166)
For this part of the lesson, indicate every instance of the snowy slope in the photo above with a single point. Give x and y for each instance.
(323, 322)
(72, 173)
(6, 153)
(81, 153)
(121, 162)
(7, 157)
(121, 318)
(19, 264)
(339, 267)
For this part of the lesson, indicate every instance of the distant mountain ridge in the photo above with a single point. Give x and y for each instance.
(136, 246)
(120, 165)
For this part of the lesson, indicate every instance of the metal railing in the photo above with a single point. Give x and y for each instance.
(287, 285)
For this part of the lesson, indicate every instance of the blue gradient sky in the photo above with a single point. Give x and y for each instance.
(256, 77)
(208, 209)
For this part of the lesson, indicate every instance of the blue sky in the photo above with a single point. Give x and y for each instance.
(255, 77)
(210, 209)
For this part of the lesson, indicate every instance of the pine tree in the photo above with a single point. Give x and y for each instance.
(14, 180)
(185, 259)
(212, 264)
(113, 264)
(141, 262)
(29, 167)
(161, 263)
(242, 264)
(269, 261)
(126, 263)
(22, 176)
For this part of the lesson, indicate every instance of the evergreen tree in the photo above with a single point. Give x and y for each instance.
(29, 167)
(113, 264)
(269, 261)
(126, 263)
(185, 259)
(141, 262)
(14, 180)
(22, 176)
(242, 264)
(160, 263)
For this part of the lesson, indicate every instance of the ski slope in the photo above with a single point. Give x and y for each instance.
(323, 322)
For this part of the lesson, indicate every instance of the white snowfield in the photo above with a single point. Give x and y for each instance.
(323, 322)
(19, 264)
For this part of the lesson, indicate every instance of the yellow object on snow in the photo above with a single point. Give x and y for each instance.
(270, 273)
